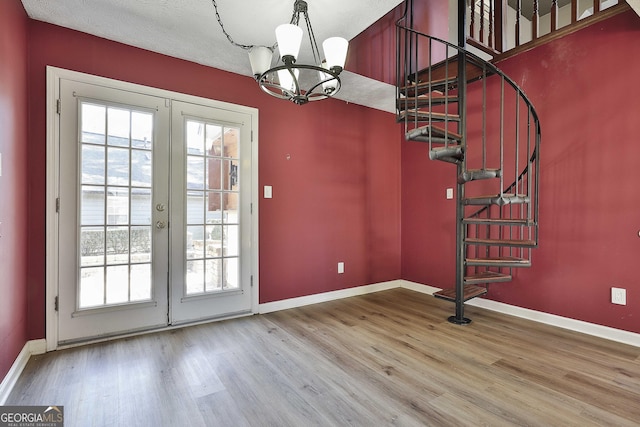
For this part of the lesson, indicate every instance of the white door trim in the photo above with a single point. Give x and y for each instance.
(54, 75)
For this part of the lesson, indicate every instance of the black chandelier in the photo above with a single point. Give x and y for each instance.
(299, 83)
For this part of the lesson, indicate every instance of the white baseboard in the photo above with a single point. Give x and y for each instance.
(30, 348)
(600, 331)
(418, 287)
(270, 307)
(605, 332)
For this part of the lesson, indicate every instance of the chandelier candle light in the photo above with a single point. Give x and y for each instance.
(299, 83)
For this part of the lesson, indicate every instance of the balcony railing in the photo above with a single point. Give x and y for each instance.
(499, 26)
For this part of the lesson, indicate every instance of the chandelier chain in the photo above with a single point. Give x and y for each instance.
(242, 46)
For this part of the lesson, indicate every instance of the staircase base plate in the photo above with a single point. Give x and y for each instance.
(455, 320)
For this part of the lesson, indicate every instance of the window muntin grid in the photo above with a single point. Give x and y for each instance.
(212, 227)
(115, 185)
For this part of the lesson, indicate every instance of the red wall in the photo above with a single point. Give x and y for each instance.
(372, 52)
(585, 89)
(13, 192)
(337, 198)
(337, 171)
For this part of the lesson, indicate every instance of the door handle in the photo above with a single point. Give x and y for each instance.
(160, 225)
(160, 207)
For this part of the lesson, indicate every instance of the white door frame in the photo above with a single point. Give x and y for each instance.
(54, 75)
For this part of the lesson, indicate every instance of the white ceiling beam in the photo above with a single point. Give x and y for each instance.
(635, 5)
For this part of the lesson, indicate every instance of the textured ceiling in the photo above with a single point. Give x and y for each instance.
(188, 29)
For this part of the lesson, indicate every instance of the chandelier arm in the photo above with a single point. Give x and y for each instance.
(314, 95)
(275, 90)
(295, 81)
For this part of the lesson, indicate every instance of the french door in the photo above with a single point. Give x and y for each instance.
(154, 212)
(211, 216)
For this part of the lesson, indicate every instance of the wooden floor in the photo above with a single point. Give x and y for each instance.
(388, 358)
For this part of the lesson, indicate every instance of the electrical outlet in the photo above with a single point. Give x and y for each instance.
(449, 193)
(619, 296)
(340, 267)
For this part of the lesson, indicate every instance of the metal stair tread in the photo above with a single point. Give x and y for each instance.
(433, 98)
(477, 174)
(487, 277)
(426, 116)
(503, 261)
(469, 291)
(449, 68)
(500, 221)
(448, 153)
(440, 134)
(521, 243)
(497, 199)
(426, 87)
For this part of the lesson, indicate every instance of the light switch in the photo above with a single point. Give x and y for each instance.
(449, 193)
(268, 192)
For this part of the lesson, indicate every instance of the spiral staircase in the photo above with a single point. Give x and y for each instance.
(473, 116)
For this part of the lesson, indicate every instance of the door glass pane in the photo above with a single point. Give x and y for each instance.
(214, 208)
(91, 246)
(117, 245)
(230, 175)
(195, 277)
(230, 208)
(140, 282)
(214, 275)
(231, 240)
(195, 137)
(231, 273)
(212, 189)
(115, 205)
(140, 244)
(214, 241)
(141, 206)
(195, 242)
(118, 166)
(195, 173)
(214, 174)
(93, 123)
(141, 130)
(141, 168)
(119, 126)
(92, 201)
(93, 158)
(195, 207)
(213, 143)
(231, 138)
(91, 287)
(117, 284)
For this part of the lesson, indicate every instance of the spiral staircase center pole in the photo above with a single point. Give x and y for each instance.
(459, 318)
